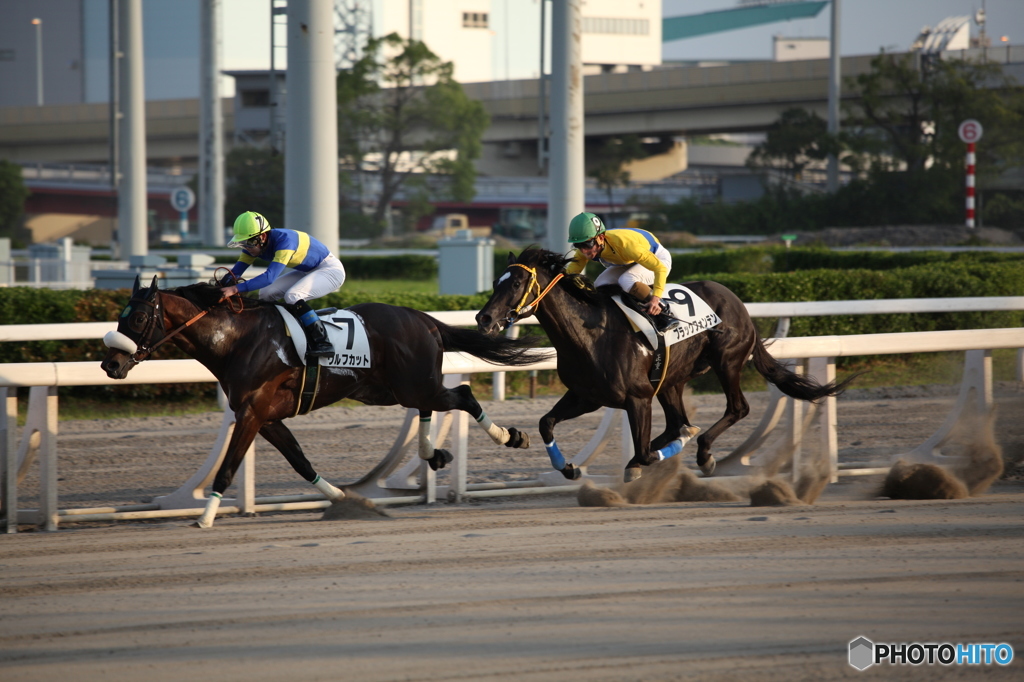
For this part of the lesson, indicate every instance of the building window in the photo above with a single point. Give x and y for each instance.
(255, 98)
(631, 27)
(474, 20)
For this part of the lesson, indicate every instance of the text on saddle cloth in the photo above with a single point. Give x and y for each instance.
(345, 330)
(694, 314)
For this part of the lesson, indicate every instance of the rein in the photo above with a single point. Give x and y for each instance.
(534, 285)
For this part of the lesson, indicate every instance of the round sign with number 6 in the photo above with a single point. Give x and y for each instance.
(970, 131)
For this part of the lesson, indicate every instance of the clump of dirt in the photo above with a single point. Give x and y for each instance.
(693, 489)
(922, 482)
(354, 508)
(655, 484)
(590, 495)
(773, 493)
(665, 481)
(982, 454)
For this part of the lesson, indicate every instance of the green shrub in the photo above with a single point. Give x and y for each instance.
(948, 276)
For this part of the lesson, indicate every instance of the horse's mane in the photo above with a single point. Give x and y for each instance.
(578, 286)
(205, 296)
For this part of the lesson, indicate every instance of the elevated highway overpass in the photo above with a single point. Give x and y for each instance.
(691, 100)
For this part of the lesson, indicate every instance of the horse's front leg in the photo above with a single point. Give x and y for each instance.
(639, 412)
(280, 436)
(678, 430)
(247, 425)
(569, 406)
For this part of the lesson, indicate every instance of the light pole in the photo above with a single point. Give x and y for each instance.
(38, 23)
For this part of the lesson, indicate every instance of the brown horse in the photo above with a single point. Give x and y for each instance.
(604, 363)
(245, 344)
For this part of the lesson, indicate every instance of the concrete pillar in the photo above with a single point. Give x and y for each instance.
(834, 82)
(211, 127)
(132, 222)
(311, 133)
(566, 178)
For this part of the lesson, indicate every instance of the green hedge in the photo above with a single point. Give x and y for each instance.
(766, 259)
(951, 278)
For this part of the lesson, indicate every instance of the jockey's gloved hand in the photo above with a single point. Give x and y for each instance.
(226, 279)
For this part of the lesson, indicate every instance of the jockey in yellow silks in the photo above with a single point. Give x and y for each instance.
(633, 258)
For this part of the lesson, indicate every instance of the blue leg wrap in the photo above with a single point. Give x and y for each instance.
(557, 460)
(308, 318)
(673, 448)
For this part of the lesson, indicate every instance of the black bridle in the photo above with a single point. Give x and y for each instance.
(142, 315)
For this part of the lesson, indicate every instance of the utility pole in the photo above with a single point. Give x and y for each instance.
(211, 127)
(311, 147)
(132, 214)
(38, 23)
(834, 75)
(566, 180)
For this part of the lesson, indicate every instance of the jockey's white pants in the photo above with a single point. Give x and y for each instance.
(628, 275)
(297, 286)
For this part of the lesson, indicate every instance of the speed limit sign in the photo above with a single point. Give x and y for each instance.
(970, 131)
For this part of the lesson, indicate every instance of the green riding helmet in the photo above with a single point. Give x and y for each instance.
(247, 226)
(583, 227)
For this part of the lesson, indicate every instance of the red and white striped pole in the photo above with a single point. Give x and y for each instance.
(970, 184)
(970, 132)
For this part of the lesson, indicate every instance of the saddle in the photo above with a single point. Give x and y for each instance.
(347, 333)
(694, 314)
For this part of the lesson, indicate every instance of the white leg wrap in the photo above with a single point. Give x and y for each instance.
(426, 446)
(499, 434)
(210, 513)
(333, 494)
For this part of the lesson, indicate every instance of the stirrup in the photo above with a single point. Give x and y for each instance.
(318, 349)
(666, 325)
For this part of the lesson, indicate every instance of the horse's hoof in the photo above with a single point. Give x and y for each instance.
(440, 459)
(517, 439)
(197, 524)
(631, 474)
(572, 472)
(708, 467)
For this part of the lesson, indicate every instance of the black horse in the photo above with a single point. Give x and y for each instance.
(244, 343)
(604, 362)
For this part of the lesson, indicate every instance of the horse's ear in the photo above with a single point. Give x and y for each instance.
(511, 258)
(153, 287)
(135, 287)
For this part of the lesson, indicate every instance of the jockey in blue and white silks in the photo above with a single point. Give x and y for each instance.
(315, 272)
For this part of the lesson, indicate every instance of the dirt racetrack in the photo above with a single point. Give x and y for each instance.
(520, 588)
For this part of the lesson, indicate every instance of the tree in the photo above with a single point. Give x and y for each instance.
(405, 119)
(608, 171)
(795, 140)
(910, 109)
(13, 194)
(255, 182)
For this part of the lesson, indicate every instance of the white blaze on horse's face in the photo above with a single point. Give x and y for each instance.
(502, 279)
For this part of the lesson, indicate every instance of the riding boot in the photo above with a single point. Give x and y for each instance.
(640, 294)
(317, 343)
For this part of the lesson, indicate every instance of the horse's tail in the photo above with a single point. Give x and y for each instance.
(500, 350)
(791, 383)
